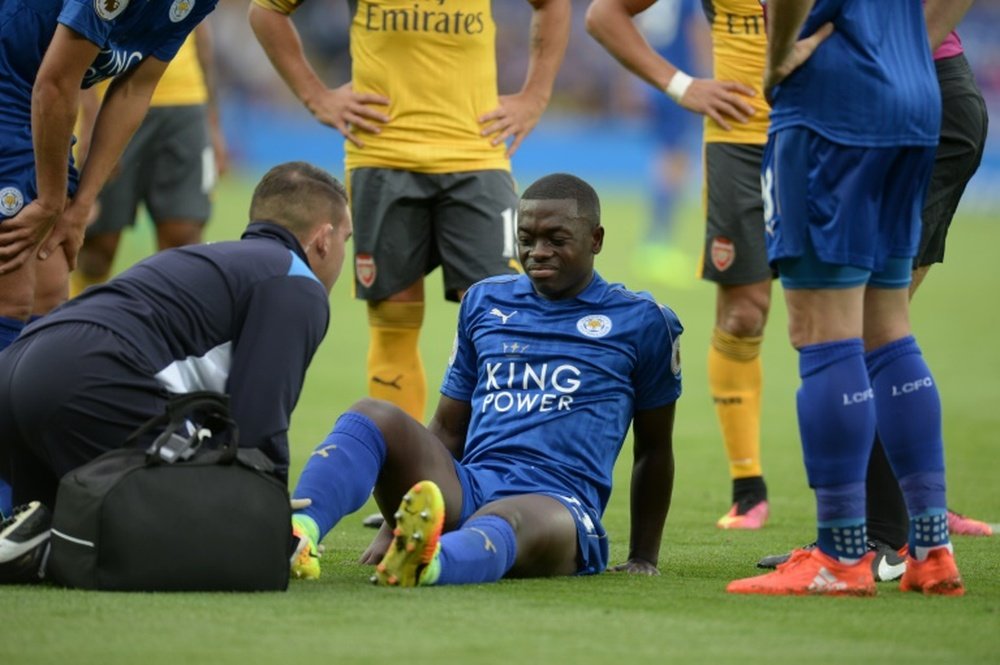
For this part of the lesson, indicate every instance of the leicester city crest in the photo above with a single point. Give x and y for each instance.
(594, 325)
(110, 9)
(11, 201)
(180, 10)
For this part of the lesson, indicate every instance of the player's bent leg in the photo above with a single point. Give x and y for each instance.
(178, 232)
(93, 264)
(395, 368)
(735, 379)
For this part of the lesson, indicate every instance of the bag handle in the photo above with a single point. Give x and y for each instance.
(175, 443)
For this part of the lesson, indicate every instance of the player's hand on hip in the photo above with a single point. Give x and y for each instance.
(722, 101)
(635, 567)
(21, 233)
(68, 232)
(516, 116)
(776, 72)
(346, 110)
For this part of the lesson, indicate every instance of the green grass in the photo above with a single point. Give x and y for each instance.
(682, 615)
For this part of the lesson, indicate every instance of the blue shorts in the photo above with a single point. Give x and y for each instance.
(17, 170)
(852, 207)
(482, 485)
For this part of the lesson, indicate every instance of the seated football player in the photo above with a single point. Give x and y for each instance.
(512, 475)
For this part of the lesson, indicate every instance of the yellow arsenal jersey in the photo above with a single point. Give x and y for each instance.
(739, 44)
(436, 62)
(182, 83)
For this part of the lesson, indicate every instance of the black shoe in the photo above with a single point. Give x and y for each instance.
(373, 521)
(887, 565)
(24, 544)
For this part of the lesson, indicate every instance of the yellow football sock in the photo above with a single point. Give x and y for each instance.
(395, 369)
(734, 379)
(79, 281)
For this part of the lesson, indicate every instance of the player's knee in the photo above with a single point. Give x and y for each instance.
(94, 261)
(744, 318)
(387, 416)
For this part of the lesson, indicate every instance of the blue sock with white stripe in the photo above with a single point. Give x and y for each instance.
(483, 550)
(340, 474)
(837, 427)
(908, 409)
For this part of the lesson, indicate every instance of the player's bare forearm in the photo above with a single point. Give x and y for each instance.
(610, 22)
(280, 40)
(942, 17)
(652, 481)
(785, 19)
(450, 424)
(54, 103)
(518, 114)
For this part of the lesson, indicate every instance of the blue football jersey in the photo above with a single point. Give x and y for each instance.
(126, 30)
(871, 83)
(554, 384)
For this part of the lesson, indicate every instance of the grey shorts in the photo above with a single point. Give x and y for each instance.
(406, 224)
(168, 166)
(735, 249)
(963, 137)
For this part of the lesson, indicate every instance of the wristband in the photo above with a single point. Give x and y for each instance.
(679, 83)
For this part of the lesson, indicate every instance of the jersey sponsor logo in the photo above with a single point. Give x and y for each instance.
(675, 357)
(503, 317)
(11, 201)
(723, 253)
(417, 19)
(523, 387)
(109, 10)
(594, 325)
(111, 62)
(514, 348)
(180, 9)
(364, 269)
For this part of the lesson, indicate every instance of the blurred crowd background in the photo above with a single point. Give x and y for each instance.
(596, 125)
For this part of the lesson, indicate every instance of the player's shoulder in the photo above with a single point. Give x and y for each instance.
(496, 285)
(642, 301)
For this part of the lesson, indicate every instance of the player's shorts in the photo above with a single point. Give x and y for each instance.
(482, 485)
(168, 166)
(17, 170)
(842, 205)
(963, 138)
(735, 250)
(104, 392)
(406, 224)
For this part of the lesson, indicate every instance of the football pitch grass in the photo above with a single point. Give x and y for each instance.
(683, 615)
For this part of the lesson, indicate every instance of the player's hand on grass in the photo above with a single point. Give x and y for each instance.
(346, 110)
(68, 232)
(21, 233)
(378, 547)
(635, 567)
(776, 72)
(516, 116)
(722, 101)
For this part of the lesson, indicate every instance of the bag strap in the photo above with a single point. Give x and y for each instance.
(175, 442)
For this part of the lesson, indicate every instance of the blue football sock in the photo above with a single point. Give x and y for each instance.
(483, 550)
(341, 472)
(837, 427)
(9, 330)
(908, 409)
(841, 532)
